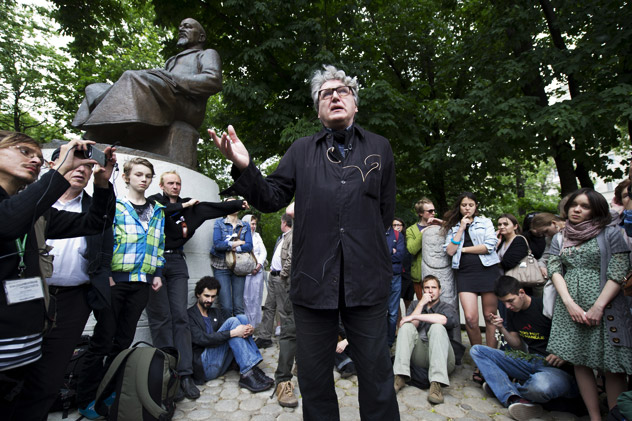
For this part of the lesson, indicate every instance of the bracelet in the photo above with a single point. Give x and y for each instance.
(456, 243)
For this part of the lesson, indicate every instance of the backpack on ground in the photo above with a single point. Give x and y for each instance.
(145, 381)
(67, 395)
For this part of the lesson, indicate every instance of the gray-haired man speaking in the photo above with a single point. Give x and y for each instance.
(343, 181)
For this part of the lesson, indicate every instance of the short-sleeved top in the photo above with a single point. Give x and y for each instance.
(532, 326)
(440, 308)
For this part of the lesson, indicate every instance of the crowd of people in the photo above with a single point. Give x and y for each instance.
(339, 270)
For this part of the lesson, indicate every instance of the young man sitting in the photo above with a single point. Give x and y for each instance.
(217, 341)
(539, 379)
(424, 340)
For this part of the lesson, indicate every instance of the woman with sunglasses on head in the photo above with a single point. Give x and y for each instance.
(471, 241)
(28, 219)
(592, 325)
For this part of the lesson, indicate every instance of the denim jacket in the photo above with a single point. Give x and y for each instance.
(222, 233)
(481, 231)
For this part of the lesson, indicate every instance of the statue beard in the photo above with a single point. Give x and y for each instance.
(183, 42)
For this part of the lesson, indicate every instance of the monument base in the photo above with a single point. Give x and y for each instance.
(194, 185)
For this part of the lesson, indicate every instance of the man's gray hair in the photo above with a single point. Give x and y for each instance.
(331, 73)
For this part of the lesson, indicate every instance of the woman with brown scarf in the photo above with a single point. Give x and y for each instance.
(591, 326)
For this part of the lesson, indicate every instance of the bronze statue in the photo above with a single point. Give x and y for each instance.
(157, 110)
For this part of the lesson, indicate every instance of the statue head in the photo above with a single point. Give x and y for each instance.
(191, 34)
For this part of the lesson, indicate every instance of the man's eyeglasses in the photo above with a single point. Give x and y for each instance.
(28, 152)
(329, 92)
(430, 210)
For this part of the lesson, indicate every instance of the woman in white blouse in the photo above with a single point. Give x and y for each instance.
(253, 290)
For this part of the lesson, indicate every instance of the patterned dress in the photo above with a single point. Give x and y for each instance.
(577, 343)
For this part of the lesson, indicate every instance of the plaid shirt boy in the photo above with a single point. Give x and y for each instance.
(138, 251)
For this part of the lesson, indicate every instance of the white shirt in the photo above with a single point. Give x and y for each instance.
(276, 256)
(70, 267)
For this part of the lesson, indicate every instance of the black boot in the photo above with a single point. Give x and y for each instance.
(250, 381)
(261, 376)
(189, 388)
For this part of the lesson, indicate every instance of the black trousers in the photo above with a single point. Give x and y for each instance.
(113, 333)
(45, 376)
(167, 312)
(316, 336)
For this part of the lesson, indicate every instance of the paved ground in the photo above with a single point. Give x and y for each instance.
(223, 399)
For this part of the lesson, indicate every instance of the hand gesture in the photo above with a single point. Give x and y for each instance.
(190, 202)
(70, 161)
(464, 221)
(231, 147)
(593, 316)
(554, 360)
(577, 313)
(157, 284)
(102, 174)
(341, 346)
(496, 320)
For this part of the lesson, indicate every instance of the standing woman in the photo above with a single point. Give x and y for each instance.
(471, 241)
(511, 249)
(253, 290)
(397, 246)
(592, 325)
(230, 234)
(546, 225)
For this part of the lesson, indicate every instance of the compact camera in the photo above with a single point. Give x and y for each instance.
(93, 153)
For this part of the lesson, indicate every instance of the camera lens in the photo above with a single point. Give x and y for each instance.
(87, 153)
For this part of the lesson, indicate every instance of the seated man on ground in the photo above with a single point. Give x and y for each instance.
(539, 379)
(217, 341)
(424, 340)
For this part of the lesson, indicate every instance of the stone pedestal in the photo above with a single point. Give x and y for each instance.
(194, 185)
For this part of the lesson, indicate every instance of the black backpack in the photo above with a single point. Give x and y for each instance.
(145, 381)
(67, 395)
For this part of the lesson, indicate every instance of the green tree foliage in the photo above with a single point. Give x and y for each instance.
(474, 95)
(29, 71)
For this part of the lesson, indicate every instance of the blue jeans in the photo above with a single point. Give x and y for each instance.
(216, 360)
(542, 382)
(231, 295)
(393, 307)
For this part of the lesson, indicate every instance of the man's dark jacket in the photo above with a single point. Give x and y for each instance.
(18, 213)
(99, 256)
(194, 216)
(201, 340)
(343, 207)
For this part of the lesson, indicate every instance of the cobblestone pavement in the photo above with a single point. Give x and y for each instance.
(222, 399)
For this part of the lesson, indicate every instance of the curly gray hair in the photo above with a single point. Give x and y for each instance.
(331, 73)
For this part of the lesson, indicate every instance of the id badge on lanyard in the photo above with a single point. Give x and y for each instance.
(23, 289)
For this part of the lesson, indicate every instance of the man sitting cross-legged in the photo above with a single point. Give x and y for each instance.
(539, 380)
(423, 340)
(216, 341)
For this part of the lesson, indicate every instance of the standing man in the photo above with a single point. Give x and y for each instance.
(343, 179)
(79, 284)
(539, 377)
(278, 284)
(414, 235)
(425, 340)
(167, 308)
(279, 298)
